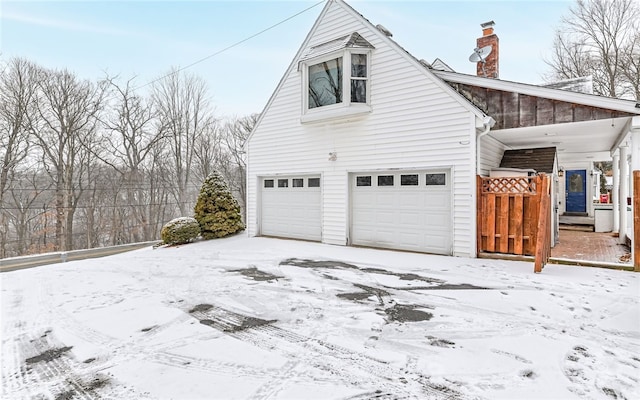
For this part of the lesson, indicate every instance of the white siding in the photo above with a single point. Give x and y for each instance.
(414, 123)
(491, 152)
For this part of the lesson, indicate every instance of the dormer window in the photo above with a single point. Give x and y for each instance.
(325, 83)
(358, 78)
(336, 79)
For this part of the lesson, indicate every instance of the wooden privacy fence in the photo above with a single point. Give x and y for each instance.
(514, 216)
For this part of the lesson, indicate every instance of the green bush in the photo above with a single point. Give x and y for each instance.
(180, 230)
(217, 212)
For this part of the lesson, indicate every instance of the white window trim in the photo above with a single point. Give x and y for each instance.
(345, 109)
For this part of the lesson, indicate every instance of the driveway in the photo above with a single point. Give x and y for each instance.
(261, 318)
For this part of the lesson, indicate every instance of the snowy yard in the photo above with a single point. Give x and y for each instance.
(264, 318)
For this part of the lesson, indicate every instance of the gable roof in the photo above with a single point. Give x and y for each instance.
(440, 65)
(421, 65)
(353, 40)
(541, 159)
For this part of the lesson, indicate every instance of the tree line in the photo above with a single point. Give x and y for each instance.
(88, 164)
(601, 39)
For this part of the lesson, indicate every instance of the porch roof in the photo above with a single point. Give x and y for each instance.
(540, 159)
(579, 125)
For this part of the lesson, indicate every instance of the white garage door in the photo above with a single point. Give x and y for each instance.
(407, 210)
(291, 207)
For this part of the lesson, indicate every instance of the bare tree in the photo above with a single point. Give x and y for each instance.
(62, 138)
(208, 152)
(631, 61)
(66, 117)
(233, 162)
(131, 135)
(597, 38)
(25, 191)
(183, 109)
(17, 91)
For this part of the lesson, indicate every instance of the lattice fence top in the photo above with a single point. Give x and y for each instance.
(519, 184)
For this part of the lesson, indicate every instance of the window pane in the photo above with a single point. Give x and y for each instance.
(325, 83)
(385, 180)
(297, 182)
(359, 65)
(268, 183)
(358, 91)
(436, 179)
(409, 180)
(314, 182)
(575, 183)
(282, 183)
(363, 181)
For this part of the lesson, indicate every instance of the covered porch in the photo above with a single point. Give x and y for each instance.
(584, 129)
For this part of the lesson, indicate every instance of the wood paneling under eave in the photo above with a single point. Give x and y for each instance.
(515, 110)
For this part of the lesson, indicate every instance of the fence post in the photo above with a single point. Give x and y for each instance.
(541, 236)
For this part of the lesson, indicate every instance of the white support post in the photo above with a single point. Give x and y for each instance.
(615, 192)
(624, 192)
(635, 166)
(635, 149)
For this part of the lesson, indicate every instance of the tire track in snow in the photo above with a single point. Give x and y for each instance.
(48, 371)
(355, 369)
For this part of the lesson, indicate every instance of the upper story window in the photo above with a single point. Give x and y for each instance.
(336, 79)
(358, 78)
(325, 83)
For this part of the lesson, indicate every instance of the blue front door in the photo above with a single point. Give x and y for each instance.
(576, 189)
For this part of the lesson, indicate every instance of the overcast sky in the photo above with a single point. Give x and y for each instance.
(146, 38)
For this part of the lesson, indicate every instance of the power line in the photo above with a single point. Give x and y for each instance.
(231, 46)
(98, 207)
(104, 188)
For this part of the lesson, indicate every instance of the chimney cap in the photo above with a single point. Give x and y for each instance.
(489, 24)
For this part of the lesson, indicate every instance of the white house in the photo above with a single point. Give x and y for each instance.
(363, 144)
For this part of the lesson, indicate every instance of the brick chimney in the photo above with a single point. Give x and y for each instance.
(491, 67)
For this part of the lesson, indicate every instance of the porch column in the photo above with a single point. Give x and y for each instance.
(635, 168)
(615, 192)
(624, 192)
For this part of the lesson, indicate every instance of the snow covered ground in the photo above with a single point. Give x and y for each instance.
(261, 318)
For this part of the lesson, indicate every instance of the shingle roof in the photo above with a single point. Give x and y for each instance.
(541, 159)
(354, 40)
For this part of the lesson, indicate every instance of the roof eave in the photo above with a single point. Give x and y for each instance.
(628, 106)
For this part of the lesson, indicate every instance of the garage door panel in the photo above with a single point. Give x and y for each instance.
(412, 199)
(385, 236)
(439, 200)
(437, 241)
(365, 199)
(411, 239)
(410, 218)
(407, 217)
(437, 220)
(385, 217)
(291, 212)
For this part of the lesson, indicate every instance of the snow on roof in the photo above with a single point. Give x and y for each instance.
(353, 40)
(441, 65)
(583, 84)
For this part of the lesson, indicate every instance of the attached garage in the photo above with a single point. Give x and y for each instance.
(291, 207)
(407, 210)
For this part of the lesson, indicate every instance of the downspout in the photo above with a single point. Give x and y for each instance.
(487, 124)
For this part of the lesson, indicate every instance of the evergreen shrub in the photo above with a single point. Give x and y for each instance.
(216, 210)
(180, 230)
